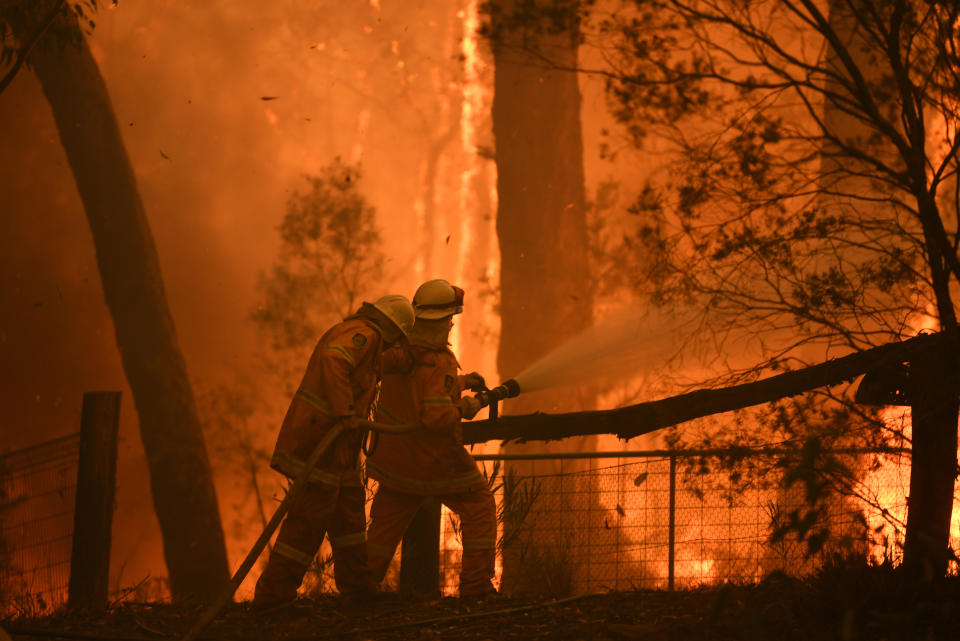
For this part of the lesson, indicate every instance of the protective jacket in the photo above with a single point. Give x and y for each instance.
(340, 380)
(432, 462)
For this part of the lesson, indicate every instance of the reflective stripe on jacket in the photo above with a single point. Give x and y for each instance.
(340, 380)
(434, 461)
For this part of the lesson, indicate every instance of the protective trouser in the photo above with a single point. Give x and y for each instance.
(321, 509)
(391, 514)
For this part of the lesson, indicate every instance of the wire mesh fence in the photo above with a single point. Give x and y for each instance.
(37, 494)
(570, 523)
(598, 521)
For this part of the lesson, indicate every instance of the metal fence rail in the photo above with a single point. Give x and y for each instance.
(658, 519)
(37, 493)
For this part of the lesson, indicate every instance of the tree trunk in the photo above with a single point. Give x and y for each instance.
(181, 477)
(934, 466)
(643, 418)
(545, 293)
(933, 374)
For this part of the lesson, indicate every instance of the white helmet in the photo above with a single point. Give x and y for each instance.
(398, 309)
(437, 299)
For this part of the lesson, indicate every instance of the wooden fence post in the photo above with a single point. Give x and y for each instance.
(420, 553)
(93, 513)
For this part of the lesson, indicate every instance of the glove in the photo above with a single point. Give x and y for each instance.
(473, 381)
(469, 406)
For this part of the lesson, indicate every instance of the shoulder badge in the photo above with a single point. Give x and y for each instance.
(359, 339)
(448, 383)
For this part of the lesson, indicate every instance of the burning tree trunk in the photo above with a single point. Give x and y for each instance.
(545, 293)
(181, 478)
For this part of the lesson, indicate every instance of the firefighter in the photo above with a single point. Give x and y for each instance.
(432, 462)
(339, 385)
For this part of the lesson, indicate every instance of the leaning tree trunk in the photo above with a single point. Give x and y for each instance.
(545, 292)
(180, 473)
(643, 418)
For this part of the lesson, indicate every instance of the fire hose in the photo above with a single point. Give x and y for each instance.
(487, 397)
(295, 489)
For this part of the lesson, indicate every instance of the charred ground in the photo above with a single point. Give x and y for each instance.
(838, 603)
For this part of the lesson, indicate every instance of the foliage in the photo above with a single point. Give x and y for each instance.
(808, 203)
(519, 496)
(805, 202)
(330, 255)
(541, 561)
(227, 414)
(32, 16)
(820, 448)
(527, 21)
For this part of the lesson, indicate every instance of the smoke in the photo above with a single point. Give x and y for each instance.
(215, 163)
(632, 342)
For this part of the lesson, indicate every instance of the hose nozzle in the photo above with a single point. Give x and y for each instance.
(507, 389)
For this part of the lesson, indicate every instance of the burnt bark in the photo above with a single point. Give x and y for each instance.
(180, 473)
(643, 418)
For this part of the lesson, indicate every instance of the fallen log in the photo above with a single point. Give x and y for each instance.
(643, 418)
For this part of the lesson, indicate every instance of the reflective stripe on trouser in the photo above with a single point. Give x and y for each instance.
(391, 514)
(320, 510)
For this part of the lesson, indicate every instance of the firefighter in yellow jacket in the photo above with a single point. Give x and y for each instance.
(339, 385)
(432, 462)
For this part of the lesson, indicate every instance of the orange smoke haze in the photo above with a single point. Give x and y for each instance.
(223, 109)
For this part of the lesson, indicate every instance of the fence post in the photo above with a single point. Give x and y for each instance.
(672, 526)
(420, 553)
(93, 512)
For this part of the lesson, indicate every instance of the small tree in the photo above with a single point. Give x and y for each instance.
(810, 204)
(330, 257)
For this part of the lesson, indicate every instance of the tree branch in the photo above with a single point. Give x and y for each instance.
(635, 420)
(27, 48)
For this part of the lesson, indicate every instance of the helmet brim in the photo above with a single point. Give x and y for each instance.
(436, 314)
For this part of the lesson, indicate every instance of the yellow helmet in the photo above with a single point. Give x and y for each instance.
(398, 309)
(437, 299)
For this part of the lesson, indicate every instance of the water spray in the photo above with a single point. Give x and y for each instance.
(633, 341)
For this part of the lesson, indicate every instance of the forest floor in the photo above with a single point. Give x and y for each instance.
(870, 603)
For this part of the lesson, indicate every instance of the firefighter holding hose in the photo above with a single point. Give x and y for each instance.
(432, 462)
(338, 387)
